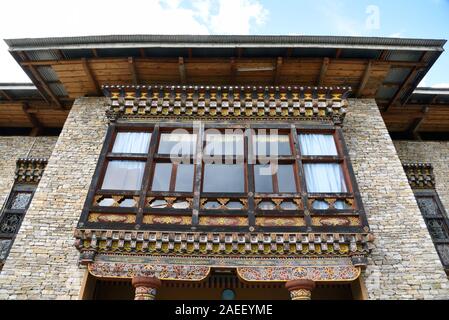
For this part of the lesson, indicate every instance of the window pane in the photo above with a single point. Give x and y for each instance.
(124, 175)
(324, 178)
(272, 145)
(317, 145)
(177, 144)
(263, 178)
(162, 176)
(223, 178)
(286, 178)
(132, 142)
(184, 178)
(223, 144)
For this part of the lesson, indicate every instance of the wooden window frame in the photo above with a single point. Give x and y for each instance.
(296, 159)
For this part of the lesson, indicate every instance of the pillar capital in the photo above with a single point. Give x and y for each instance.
(300, 289)
(146, 287)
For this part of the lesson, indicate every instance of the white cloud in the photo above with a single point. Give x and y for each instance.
(45, 18)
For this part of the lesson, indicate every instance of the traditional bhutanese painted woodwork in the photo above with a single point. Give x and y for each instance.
(276, 236)
(204, 102)
(28, 173)
(422, 181)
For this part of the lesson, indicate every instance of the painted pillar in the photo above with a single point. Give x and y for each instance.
(146, 287)
(300, 289)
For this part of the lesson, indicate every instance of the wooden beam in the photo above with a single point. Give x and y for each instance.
(90, 76)
(182, 70)
(409, 78)
(289, 53)
(277, 72)
(365, 79)
(190, 54)
(414, 127)
(384, 54)
(37, 126)
(47, 89)
(323, 71)
(338, 53)
(5, 95)
(132, 70)
(233, 70)
(142, 52)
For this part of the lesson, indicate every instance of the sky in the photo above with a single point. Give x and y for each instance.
(385, 18)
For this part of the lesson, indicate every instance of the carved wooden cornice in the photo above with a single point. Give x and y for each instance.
(229, 103)
(30, 170)
(420, 175)
(91, 242)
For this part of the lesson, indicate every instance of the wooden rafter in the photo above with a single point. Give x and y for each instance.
(338, 53)
(90, 76)
(406, 83)
(233, 70)
(323, 71)
(44, 85)
(416, 124)
(142, 52)
(365, 79)
(289, 53)
(95, 53)
(37, 126)
(182, 70)
(5, 95)
(132, 70)
(277, 72)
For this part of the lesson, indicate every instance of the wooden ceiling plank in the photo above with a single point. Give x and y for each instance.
(90, 76)
(323, 71)
(365, 79)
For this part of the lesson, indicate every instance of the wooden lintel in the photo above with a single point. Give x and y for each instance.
(90, 76)
(182, 70)
(323, 71)
(365, 79)
(132, 70)
(44, 85)
(277, 72)
(5, 95)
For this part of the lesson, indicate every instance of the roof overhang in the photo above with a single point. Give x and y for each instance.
(388, 69)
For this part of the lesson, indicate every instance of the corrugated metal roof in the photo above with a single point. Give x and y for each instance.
(120, 41)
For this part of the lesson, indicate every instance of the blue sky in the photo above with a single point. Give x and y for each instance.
(393, 18)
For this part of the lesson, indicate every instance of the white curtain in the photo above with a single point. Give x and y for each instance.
(317, 145)
(132, 142)
(324, 178)
(123, 175)
(224, 144)
(272, 145)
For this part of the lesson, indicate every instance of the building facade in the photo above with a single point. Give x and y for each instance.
(292, 167)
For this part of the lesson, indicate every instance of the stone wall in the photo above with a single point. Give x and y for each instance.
(434, 152)
(13, 148)
(404, 263)
(43, 262)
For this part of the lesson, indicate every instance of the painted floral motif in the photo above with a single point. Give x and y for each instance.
(330, 273)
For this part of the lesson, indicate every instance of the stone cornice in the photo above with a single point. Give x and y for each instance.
(227, 102)
(420, 175)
